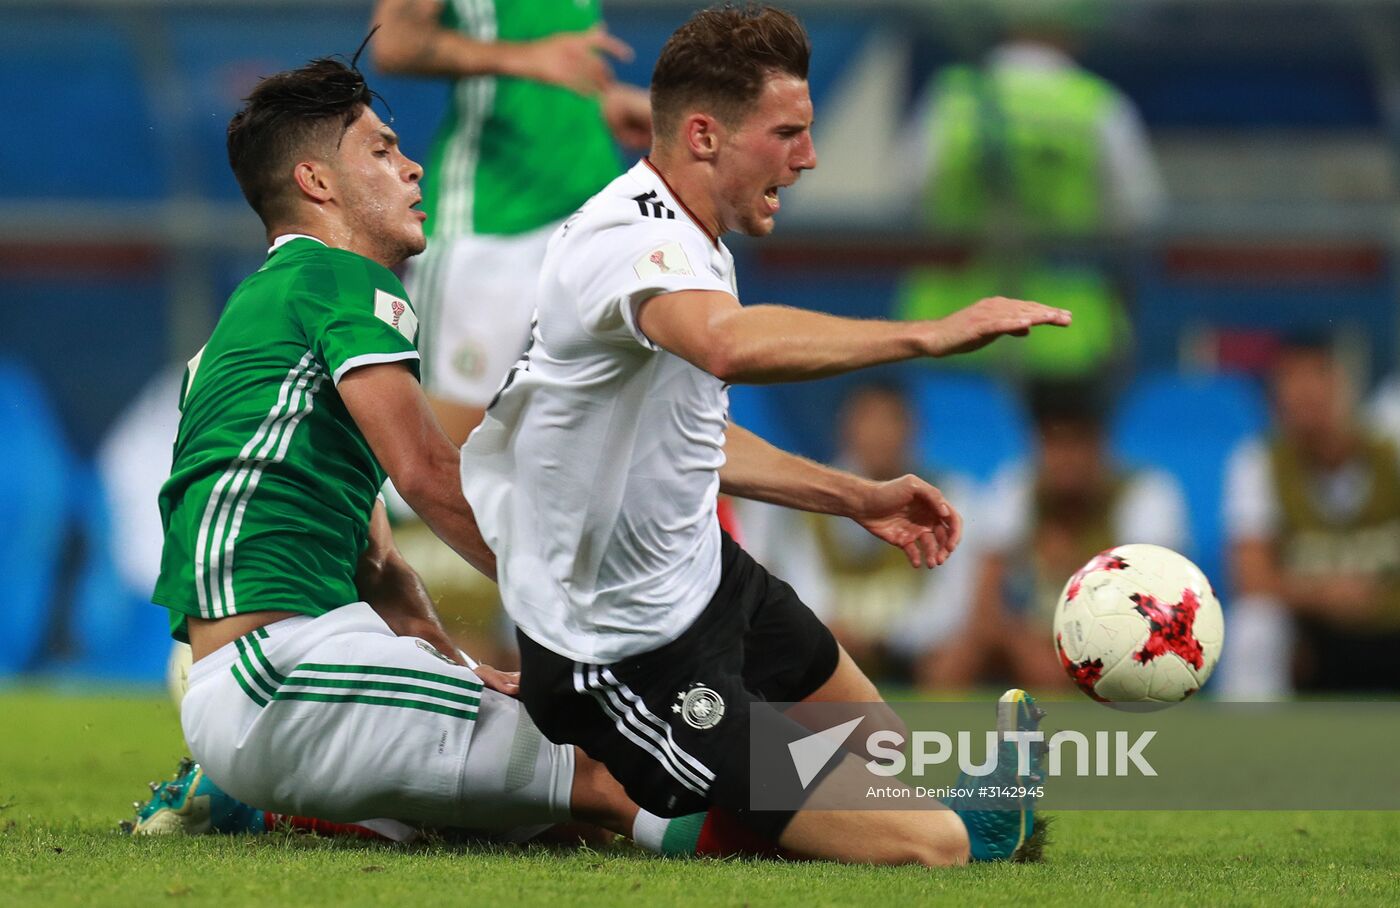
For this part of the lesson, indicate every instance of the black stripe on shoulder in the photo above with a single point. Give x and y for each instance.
(652, 207)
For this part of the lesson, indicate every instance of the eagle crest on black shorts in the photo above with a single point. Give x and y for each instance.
(701, 707)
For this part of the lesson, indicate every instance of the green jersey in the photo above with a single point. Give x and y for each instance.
(513, 155)
(272, 486)
(1030, 136)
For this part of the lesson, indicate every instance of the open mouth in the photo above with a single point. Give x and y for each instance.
(771, 197)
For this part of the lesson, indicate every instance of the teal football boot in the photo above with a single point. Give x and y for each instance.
(1000, 811)
(191, 804)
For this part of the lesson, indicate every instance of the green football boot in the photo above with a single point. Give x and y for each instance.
(191, 804)
(1000, 814)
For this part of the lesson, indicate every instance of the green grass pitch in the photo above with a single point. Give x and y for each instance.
(71, 763)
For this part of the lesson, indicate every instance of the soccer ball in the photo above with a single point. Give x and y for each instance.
(1139, 624)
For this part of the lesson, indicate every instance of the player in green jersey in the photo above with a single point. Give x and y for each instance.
(528, 137)
(307, 390)
(323, 683)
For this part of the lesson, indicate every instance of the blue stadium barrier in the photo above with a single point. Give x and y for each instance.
(221, 52)
(968, 423)
(71, 77)
(115, 630)
(35, 464)
(1188, 425)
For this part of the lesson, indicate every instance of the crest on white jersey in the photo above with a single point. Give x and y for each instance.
(396, 313)
(667, 259)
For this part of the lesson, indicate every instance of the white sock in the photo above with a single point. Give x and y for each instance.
(648, 830)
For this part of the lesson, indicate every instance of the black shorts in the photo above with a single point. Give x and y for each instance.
(672, 724)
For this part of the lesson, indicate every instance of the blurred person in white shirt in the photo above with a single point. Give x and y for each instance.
(1313, 516)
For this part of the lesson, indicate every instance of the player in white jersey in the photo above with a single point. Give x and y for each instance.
(323, 682)
(647, 634)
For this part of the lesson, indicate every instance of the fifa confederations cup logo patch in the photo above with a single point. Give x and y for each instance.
(699, 706)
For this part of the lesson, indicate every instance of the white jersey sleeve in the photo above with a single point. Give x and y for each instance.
(625, 265)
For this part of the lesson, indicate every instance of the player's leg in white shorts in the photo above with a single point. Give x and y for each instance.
(475, 298)
(336, 717)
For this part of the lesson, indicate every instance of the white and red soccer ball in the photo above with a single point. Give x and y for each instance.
(1139, 624)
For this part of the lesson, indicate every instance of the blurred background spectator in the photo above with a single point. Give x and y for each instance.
(1313, 510)
(1194, 179)
(1042, 521)
(885, 614)
(511, 158)
(1029, 156)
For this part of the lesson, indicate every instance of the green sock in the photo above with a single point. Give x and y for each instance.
(675, 836)
(682, 834)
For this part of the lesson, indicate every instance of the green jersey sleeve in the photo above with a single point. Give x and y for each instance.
(356, 313)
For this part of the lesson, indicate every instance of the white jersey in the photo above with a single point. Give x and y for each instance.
(595, 473)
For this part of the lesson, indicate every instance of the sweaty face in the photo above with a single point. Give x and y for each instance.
(764, 153)
(377, 186)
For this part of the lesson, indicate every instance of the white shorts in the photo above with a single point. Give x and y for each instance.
(337, 718)
(475, 297)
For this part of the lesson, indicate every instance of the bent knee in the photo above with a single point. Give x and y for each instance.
(921, 851)
(887, 720)
(880, 719)
(942, 842)
(948, 853)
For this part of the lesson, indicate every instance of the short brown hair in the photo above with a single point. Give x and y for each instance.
(285, 114)
(720, 59)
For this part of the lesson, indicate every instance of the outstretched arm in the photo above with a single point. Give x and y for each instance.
(907, 512)
(411, 41)
(761, 344)
(389, 407)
